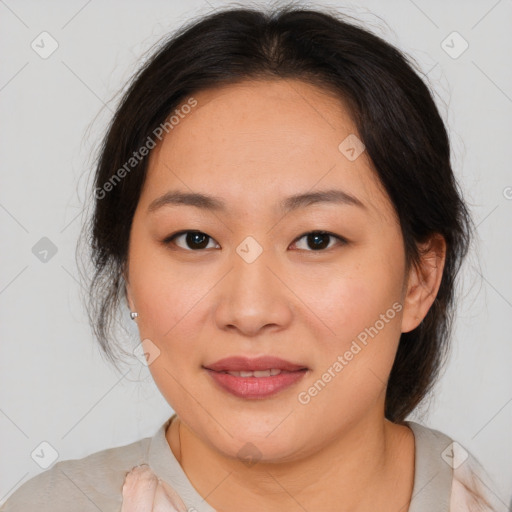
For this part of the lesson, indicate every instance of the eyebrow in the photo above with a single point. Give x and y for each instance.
(212, 203)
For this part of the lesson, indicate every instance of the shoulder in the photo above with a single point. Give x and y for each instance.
(89, 484)
(449, 474)
(472, 487)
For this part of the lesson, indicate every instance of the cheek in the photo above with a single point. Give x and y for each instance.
(358, 312)
(170, 314)
(167, 294)
(354, 297)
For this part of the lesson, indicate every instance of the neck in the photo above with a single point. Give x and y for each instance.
(367, 467)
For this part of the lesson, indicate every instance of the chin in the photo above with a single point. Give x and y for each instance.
(258, 442)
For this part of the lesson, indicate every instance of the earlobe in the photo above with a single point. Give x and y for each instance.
(423, 282)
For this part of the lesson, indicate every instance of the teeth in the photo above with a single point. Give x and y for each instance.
(257, 373)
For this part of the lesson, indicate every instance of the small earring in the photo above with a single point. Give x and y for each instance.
(133, 315)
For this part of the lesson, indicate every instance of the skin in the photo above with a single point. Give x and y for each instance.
(253, 144)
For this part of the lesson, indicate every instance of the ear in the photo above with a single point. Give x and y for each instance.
(423, 282)
(127, 291)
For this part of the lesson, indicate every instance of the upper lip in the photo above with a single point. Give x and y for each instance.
(242, 363)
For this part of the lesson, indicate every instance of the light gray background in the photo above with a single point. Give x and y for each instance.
(54, 386)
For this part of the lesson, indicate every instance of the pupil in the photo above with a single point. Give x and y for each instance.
(317, 236)
(195, 239)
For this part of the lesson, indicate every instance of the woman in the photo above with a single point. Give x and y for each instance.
(275, 203)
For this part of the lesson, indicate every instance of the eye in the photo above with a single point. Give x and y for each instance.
(319, 240)
(196, 240)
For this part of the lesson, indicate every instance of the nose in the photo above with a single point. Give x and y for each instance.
(253, 297)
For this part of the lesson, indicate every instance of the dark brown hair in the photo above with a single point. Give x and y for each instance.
(396, 118)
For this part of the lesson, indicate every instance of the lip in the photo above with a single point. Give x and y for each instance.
(256, 387)
(242, 363)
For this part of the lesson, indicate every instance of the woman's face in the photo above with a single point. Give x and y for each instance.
(253, 283)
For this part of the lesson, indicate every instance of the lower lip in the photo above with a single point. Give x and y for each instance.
(256, 387)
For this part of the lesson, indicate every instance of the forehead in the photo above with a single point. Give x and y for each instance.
(259, 141)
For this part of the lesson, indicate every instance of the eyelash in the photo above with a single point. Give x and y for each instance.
(170, 239)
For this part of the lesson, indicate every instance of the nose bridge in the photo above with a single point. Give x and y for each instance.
(252, 276)
(252, 296)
